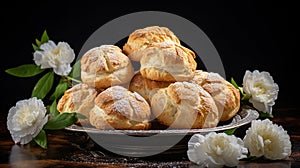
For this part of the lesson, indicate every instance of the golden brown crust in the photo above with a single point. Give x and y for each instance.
(142, 38)
(145, 87)
(80, 98)
(184, 105)
(226, 96)
(105, 66)
(118, 108)
(168, 62)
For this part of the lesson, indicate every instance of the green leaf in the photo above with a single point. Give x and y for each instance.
(26, 70)
(45, 37)
(61, 121)
(76, 70)
(53, 109)
(38, 43)
(245, 96)
(81, 116)
(35, 48)
(41, 139)
(59, 90)
(43, 86)
(265, 115)
(234, 84)
(230, 131)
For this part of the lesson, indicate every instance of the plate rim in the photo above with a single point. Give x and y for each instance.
(243, 117)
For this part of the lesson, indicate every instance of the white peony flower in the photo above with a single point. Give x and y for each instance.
(26, 120)
(59, 57)
(216, 150)
(262, 90)
(266, 139)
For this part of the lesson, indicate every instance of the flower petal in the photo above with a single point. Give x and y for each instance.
(66, 52)
(57, 57)
(261, 89)
(266, 139)
(26, 119)
(216, 150)
(62, 69)
(50, 45)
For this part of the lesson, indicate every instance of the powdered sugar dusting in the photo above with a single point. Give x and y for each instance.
(118, 92)
(129, 104)
(112, 52)
(138, 96)
(187, 91)
(167, 43)
(140, 114)
(122, 106)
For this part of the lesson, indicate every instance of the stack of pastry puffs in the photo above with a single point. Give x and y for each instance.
(166, 88)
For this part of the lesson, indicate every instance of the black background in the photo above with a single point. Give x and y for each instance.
(249, 35)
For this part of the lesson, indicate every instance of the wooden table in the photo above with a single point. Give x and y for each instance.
(76, 149)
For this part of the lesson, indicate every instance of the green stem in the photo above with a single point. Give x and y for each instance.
(72, 79)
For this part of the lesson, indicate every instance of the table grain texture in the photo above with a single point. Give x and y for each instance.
(76, 149)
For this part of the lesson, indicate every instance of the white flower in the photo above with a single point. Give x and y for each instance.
(266, 139)
(26, 120)
(262, 90)
(216, 150)
(59, 57)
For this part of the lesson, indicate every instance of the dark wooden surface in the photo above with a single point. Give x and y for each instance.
(74, 149)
